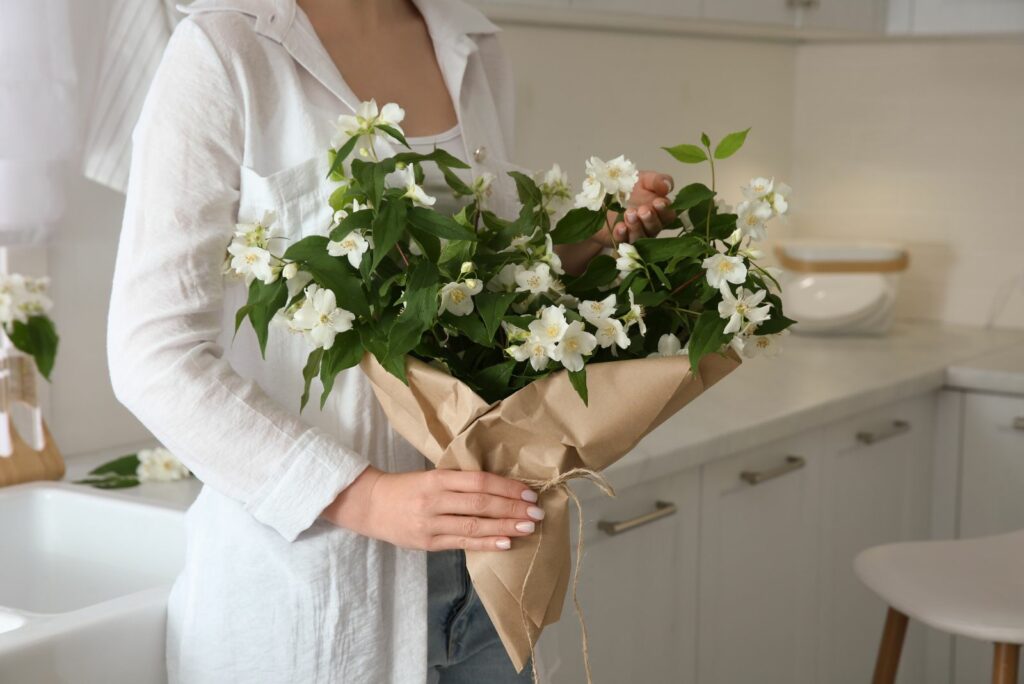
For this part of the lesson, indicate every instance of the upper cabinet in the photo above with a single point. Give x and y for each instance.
(795, 20)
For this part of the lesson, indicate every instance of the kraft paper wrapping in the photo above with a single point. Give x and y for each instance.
(539, 432)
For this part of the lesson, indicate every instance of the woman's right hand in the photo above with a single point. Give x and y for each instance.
(436, 510)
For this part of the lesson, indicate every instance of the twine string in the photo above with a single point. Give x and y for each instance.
(561, 481)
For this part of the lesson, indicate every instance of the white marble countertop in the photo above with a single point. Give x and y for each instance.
(1001, 371)
(814, 381)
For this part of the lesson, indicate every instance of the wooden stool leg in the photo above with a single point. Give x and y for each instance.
(1004, 664)
(891, 647)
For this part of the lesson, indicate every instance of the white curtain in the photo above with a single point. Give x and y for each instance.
(37, 116)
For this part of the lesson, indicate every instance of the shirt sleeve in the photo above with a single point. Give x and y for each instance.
(167, 299)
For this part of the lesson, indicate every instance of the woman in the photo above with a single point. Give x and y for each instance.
(305, 559)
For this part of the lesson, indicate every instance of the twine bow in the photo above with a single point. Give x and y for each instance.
(561, 481)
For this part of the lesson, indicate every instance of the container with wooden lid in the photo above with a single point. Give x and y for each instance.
(841, 287)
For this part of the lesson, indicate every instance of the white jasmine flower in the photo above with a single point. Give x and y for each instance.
(257, 233)
(366, 118)
(320, 317)
(550, 326)
(505, 279)
(628, 258)
(595, 312)
(669, 345)
(635, 315)
(159, 465)
(21, 297)
(534, 350)
(574, 345)
(722, 268)
(353, 245)
(554, 189)
(514, 333)
(550, 256)
(742, 308)
(752, 216)
(458, 297)
(780, 199)
(482, 187)
(764, 345)
(520, 242)
(611, 331)
(412, 190)
(615, 177)
(758, 188)
(251, 262)
(535, 281)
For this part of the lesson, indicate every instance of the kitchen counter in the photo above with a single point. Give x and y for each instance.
(816, 380)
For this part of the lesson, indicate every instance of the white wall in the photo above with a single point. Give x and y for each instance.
(919, 142)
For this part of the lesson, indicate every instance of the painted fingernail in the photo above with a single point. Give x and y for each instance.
(526, 527)
(503, 544)
(535, 512)
(529, 495)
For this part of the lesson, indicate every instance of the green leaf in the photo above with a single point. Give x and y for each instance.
(375, 340)
(439, 225)
(38, 338)
(309, 372)
(455, 253)
(492, 307)
(707, 337)
(457, 185)
(264, 301)
(705, 140)
(578, 379)
(125, 466)
(470, 326)
(110, 482)
(339, 157)
(577, 225)
(429, 244)
(691, 195)
(688, 154)
(421, 290)
(394, 133)
(387, 229)
(660, 275)
(777, 321)
(334, 273)
(438, 156)
(357, 220)
(731, 144)
(526, 187)
(345, 353)
(600, 271)
(664, 249)
(493, 381)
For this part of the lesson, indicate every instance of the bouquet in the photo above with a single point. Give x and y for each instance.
(23, 317)
(485, 354)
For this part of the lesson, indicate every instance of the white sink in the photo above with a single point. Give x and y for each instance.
(84, 578)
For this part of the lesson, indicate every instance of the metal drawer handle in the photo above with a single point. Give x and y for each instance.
(898, 427)
(1018, 423)
(756, 477)
(662, 509)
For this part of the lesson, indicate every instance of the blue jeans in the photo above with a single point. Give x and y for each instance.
(462, 645)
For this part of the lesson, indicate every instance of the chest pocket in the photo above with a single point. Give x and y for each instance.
(298, 194)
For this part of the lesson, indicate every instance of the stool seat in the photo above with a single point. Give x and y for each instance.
(969, 587)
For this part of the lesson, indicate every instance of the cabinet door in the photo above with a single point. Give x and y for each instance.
(875, 484)
(990, 494)
(638, 590)
(778, 12)
(964, 16)
(866, 16)
(759, 515)
(661, 8)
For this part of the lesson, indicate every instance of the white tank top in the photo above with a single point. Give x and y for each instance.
(433, 182)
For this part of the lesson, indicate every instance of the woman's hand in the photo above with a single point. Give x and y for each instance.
(647, 212)
(436, 510)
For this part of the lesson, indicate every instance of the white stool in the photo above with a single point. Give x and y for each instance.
(967, 587)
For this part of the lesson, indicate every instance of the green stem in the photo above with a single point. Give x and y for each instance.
(711, 202)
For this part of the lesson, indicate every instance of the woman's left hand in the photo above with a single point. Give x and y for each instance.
(647, 212)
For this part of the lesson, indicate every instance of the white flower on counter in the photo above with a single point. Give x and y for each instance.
(615, 177)
(458, 297)
(628, 258)
(742, 308)
(669, 345)
(320, 318)
(574, 345)
(413, 191)
(159, 465)
(536, 280)
(354, 246)
(764, 345)
(21, 297)
(722, 268)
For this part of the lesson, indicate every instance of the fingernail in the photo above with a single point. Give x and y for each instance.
(529, 495)
(645, 213)
(631, 215)
(535, 512)
(503, 544)
(660, 203)
(669, 184)
(526, 527)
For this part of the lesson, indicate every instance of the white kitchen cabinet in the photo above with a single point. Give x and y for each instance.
(956, 16)
(661, 8)
(875, 488)
(991, 499)
(868, 16)
(757, 564)
(638, 589)
(773, 12)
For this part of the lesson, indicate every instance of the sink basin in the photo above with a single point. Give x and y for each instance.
(83, 583)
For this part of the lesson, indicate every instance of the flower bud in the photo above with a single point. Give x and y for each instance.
(467, 266)
(290, 270)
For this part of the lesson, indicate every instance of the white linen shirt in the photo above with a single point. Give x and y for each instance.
(237, 121)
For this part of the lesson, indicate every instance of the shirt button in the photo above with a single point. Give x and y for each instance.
(480, 153)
